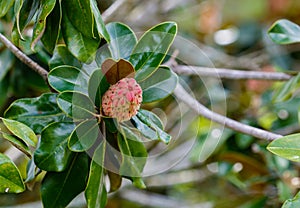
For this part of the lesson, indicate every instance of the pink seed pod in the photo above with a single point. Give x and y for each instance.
(122, 100)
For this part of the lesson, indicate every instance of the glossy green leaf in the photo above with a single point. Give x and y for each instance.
(5, 5)
(62, 56)
(117, 70)
(134, 153)
(162, 135)
(24, 12)
(286, 90)
(76, 105)
(97, 86)
(52, 29)
(80, 16)
(82, 47)
(58, 189)
(45, 8)
(102, 54)
(53, 153)
(153, 117)
(287, 147)
(84, 136)
(21, 131)
(18, 143)
(95, 193)
(6, 62)
(284, 32)
(152, 48)
(144, 129)
(31, 171)
(10, 177)
(292, 203)
(68, 78)
(36, 113)
(99, 22)
(122, 40)
(159, 85)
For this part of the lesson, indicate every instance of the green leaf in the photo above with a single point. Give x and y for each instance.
(97, 86)
(53, 153)
(284, 32)
(134, 153)
(159, 85)
(45, 8)
(82, 47)
(6, 62)
(31, 171)
(21, 131)
(95, 193)
(5, 5)
(52, 29)
(287, 147)
(10, 177)
(80, 16)
(36, 113)
(68, 78)
(24, 12)
(58, 189)
(99, 22)
(122, 40)
(144, 129)
(163, 136)
(286, 90)
(152, 49)
(102, 54)
(84, 136)
(117, 70)
(18, 143)
(153, 117)
(76, 105)
(292, 203)
(62, 56)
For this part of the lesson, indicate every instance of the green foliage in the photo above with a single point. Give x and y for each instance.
(284, 32)
(287, 147)
(151, 49)
(58, 130)
(292, 203)
(69, 120)
(59, 188)
(10, 178)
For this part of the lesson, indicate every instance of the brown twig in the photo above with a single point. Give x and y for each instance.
(230, 73)
(201, 110)
(24, 58)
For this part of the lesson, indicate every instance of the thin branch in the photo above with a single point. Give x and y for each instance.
(112, 9)
(230, 73)
(201, 110)
(24, 58)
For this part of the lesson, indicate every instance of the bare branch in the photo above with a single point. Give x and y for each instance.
(24, 58)
(201, 110)
(112, 9)
(230, 73)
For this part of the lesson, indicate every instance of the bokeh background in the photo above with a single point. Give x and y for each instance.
(223, 168)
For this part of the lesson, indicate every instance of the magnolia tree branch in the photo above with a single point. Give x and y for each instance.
(24, 58)
(201, 110)
(112, 9)
(230, 73)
